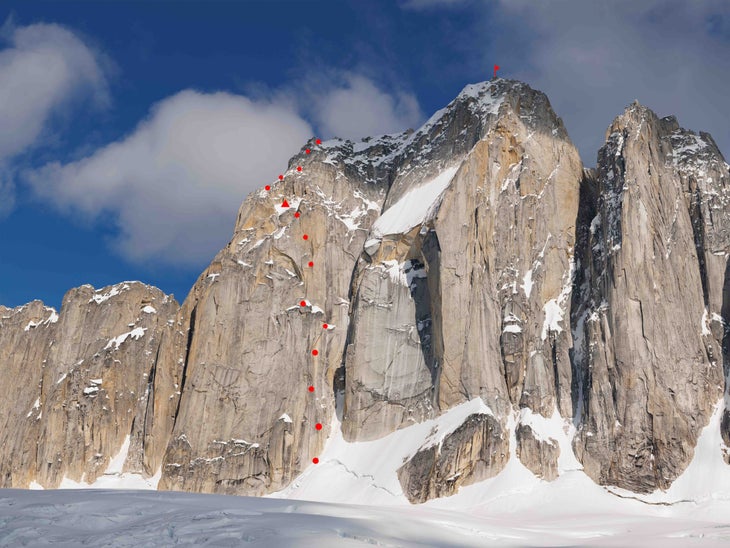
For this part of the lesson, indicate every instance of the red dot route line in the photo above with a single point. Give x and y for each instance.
(304, 303)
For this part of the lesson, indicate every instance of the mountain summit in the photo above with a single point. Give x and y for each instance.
(415, 311)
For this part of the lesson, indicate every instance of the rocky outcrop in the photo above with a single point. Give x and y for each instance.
(475, 451)
(648, 317)
(539, 455)
(85, 373)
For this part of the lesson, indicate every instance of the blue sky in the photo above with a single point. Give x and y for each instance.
(131, 132)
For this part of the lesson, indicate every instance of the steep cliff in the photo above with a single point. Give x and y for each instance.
(379, 284)
(468, 298)
(77, 383)
(648, 314)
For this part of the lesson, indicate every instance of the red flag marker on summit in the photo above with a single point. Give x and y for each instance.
(496, 68)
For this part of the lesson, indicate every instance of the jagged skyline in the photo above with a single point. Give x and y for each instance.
(131, 189)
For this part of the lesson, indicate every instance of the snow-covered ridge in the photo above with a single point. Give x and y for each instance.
(483, 99)
(105, 293)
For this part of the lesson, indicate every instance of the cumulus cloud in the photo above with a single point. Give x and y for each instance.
(171, 188)
(353, 107)
(42, 67)
(593, 59)
(174, 184)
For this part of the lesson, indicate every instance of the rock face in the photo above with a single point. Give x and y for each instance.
(467, 297)
(648, 314)
(246, 418)
(85, 373)
(540, 456)
(471, 261)
(475, 451)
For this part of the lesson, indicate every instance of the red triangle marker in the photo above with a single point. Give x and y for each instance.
(284, 204)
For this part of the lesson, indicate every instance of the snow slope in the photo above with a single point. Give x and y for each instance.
(547, 517)
(512, 509)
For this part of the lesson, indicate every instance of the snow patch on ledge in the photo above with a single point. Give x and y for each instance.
(555, 308)
(703, 323)
(52, 318)
(116, 342)
(414, 207)
(527, 283)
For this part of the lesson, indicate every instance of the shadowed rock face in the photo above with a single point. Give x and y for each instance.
(472, 259)
(648, 314)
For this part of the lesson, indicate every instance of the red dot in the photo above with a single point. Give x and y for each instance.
(311, 388)
(318, 426)
(307, 151)
(315, 460)
(311, 264)
(305, 237)
(299, 168)
(325, 326)
(296, 214)
(318, 141)
(281, 177)
(315, 352)
(303, 303)
(267, 187)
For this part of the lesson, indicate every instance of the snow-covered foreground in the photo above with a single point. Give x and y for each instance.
(149, 518)
(512, 509)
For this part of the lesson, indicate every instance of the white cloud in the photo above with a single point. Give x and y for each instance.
(354, 107)
(174, 185)
(593, 59)
(43, 67)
